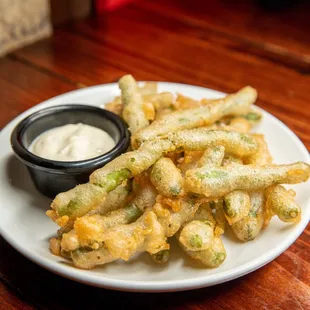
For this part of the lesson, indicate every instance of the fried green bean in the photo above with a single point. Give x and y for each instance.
(233, 104)
(88, 259)
(146, 234)
(263, 156)
(172, 219)
(83, 198)
(282, 203)
(240, 124)
(212, 257)
(167, 178)
(237, 205)
(122, 241)
(114, 200)
(161, 257)
(212, 157)
(76, 202)
(198, 234)
(148, 89)
(219, 216)
(172, 214)
(230, 159)
(199, 139)
(136, 161)
(89, 230)
(217, 182)
(249, 227)
(133, 113)
(253, 116)
(160, 101)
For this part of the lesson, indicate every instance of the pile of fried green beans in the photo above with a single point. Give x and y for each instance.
(191, 171)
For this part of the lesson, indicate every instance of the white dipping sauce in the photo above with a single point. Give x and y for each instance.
(72, 142)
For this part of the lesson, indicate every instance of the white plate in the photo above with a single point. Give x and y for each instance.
(24, 225)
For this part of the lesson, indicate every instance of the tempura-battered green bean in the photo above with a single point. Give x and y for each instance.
(200, 139)
(212, 257)
(237, 205)
(230, 159)
(89, 230)
(249, 227)
(161, 257)
(282, 203)
(135, 161)
(263, 156)
(88, 259)
(212, 157)
(76, 202)
(167, 178)
(148, 89)
(123, 241)
(83, 198)
(232, 104)
(217, 182)
(115, 199)
(133, 113)
(146, 234)
(198, 234)
(253, 116)
(160, 101)
(172, 220)
(219, 216)
(240, 124)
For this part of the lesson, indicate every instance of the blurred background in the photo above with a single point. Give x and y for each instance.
(25, 21)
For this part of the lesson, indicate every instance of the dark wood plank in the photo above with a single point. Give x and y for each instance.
(81, 60)
(22, 86)
(283, 34)
(285, 102)
(10, 299)
(206, 64)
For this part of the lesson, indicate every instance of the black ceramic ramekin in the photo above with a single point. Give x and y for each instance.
(52, 177)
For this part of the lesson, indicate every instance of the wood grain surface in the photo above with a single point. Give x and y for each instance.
(222, 45)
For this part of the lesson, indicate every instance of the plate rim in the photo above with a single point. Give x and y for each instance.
(159, 286)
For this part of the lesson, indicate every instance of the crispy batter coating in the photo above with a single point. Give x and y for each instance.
(146, 234)
(133, 112)
(212, 257)
(167, 178)
(237, 205)
(249, 226)
(171, 220)
(232, 104)
(282, 203)
(88, 259)
(263, 156)
(89, 230)
(135, 161)
(212, 157)
(217, 182)
(198, 234)
(200, 139)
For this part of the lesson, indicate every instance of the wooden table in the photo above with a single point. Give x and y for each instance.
(220, 45)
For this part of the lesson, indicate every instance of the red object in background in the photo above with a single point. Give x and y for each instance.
(110, 5)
